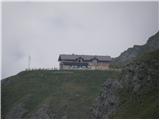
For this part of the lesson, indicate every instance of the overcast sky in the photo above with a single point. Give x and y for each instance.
(44, 30)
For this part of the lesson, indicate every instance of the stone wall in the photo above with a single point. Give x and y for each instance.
(99, 66)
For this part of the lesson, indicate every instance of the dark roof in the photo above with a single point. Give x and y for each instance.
(84, 57)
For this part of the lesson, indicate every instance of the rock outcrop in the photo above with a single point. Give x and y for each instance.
(139, 80)
(131, 53)
(108, 101)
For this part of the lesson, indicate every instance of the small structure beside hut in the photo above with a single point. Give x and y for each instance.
(83, 62)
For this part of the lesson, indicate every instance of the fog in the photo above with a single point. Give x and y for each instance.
(43, 30)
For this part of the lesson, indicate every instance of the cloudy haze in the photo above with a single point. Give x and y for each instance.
(44, 30)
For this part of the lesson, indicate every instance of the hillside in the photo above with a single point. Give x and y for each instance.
(132, 92)
(52, 94)
(131, 53)
(135, 94)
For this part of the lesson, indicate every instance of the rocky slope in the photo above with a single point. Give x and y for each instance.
(131, 53)
(134, 94)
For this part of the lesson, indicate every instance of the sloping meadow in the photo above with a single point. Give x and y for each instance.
(52, 93)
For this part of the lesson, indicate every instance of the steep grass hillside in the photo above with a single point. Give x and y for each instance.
(140, 95)
(52, 94)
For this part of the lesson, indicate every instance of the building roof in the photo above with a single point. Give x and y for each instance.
(84, 57)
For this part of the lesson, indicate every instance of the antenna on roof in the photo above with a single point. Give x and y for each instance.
(29, 62)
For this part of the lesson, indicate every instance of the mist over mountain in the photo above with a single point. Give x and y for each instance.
(131, 92)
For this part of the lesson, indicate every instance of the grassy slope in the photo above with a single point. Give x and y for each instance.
(133, 108)
(69, 93)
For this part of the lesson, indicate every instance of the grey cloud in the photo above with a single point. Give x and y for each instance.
(46, 29)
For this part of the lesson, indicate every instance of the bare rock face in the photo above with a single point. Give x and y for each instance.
(108, 101)
(141, 75)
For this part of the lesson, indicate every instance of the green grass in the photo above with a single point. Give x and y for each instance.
(145, 103)
(70, 93)
(143, 107)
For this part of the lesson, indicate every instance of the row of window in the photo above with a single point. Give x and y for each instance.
(73, 66)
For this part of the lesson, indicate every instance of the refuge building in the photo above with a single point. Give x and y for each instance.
(83, 62)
